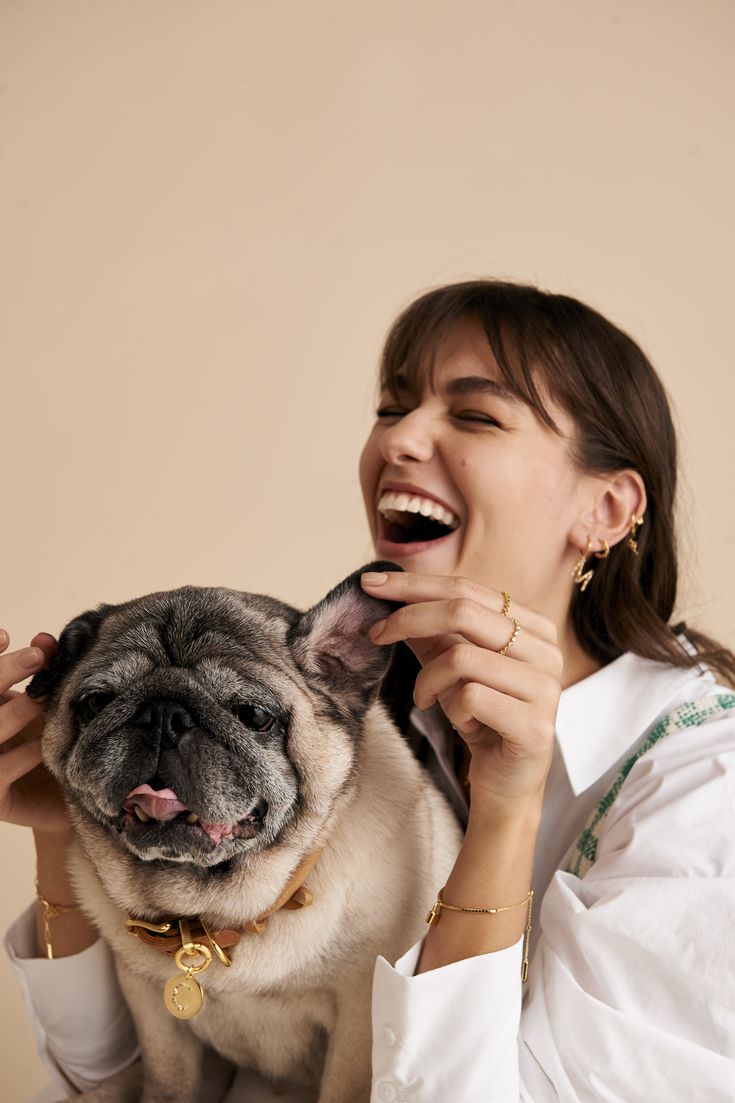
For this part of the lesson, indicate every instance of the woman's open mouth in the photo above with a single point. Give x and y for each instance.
(409, 523)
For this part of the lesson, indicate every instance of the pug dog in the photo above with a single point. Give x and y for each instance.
(217, 750)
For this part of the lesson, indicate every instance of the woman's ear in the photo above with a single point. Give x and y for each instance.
(617, 498)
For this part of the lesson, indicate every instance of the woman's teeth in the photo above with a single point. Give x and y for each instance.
(392, 502)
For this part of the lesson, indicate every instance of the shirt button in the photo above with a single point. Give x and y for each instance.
(386, 1092)
(390, 1037)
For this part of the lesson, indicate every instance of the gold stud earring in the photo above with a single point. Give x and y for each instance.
(634, 524)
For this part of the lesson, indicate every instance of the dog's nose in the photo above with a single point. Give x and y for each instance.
(164, 720)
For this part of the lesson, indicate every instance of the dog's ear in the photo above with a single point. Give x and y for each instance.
(74, 643)
(331, 642)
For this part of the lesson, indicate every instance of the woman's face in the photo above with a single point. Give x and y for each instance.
(499, 484)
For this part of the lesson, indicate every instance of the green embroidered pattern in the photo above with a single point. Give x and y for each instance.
(689, 715)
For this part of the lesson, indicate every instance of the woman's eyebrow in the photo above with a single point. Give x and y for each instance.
(479, 384)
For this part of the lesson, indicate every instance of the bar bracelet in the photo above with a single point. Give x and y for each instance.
(435, 914)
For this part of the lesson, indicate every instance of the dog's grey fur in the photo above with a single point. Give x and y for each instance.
(335, 773)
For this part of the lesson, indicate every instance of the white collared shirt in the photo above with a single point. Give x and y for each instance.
(631, 994)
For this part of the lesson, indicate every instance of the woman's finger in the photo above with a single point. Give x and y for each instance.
(16, 713)
(410, 587)
(18, 762)
(472, 709)
(15, 666)
(473, 622)
(462, 663)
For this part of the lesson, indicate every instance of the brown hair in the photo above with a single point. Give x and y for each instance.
(599, 376)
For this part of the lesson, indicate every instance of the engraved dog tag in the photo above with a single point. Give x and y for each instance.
(183, 997)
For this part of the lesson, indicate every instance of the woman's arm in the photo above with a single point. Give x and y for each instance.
(82, 1026)
(504, 706)
(69, 931)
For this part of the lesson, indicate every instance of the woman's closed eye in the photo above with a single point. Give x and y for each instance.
(472, 416)
(477, 417)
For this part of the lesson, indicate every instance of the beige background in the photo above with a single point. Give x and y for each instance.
(211, 210)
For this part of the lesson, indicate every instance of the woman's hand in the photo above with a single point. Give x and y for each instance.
(503, 706)
(28, 793)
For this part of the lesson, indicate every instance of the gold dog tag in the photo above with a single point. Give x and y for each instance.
(183, 997)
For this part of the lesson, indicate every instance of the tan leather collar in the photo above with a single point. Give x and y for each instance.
(166, 935)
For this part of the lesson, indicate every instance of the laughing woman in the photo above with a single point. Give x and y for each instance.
(522, 471)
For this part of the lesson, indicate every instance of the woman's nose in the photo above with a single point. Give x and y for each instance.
(409, 438)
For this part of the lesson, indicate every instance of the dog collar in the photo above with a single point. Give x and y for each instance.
(166, 936)
(191, 941)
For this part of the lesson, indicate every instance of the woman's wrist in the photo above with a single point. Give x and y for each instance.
(62, 928)
(52, 852)
(493, 870)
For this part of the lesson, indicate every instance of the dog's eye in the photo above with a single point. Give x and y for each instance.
(256, 718)
(89, 707)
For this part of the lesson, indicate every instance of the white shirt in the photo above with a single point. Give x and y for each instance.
(631, 993)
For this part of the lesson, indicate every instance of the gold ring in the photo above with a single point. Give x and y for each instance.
(513, 638)
(193, 949)
(506, 602)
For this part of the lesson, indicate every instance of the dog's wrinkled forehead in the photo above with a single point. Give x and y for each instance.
(221, 637)
(182, 627)
(210, 632)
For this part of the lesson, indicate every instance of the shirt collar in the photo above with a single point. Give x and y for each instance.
(606, 713)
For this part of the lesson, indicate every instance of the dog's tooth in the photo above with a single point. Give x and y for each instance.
(142, 816)
(192, 818)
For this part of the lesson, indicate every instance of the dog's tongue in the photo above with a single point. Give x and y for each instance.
(161, 804)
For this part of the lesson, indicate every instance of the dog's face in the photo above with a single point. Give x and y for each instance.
(193, 725)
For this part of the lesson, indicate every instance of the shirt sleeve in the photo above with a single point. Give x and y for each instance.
(81, 1022)
(630, 992)
(450, 1033)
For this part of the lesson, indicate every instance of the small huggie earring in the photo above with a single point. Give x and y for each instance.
(605, 551)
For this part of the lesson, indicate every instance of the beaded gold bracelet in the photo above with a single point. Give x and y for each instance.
(435, 914)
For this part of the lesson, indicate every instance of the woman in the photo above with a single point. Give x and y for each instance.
(522, 471)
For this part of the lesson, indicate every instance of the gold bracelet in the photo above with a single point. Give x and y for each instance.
(439, 904)
(50, 911)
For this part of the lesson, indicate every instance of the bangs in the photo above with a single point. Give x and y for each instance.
(526, 350)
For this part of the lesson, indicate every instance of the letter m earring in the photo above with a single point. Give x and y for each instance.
(583, 579)
(580, 579)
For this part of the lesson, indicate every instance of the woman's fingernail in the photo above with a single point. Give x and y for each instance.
(4, 637)
(30, 657)
(377, 629)
(374, 578)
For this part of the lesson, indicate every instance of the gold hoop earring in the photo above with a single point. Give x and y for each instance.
(580, 579)
(634, 524)
(605, 551)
